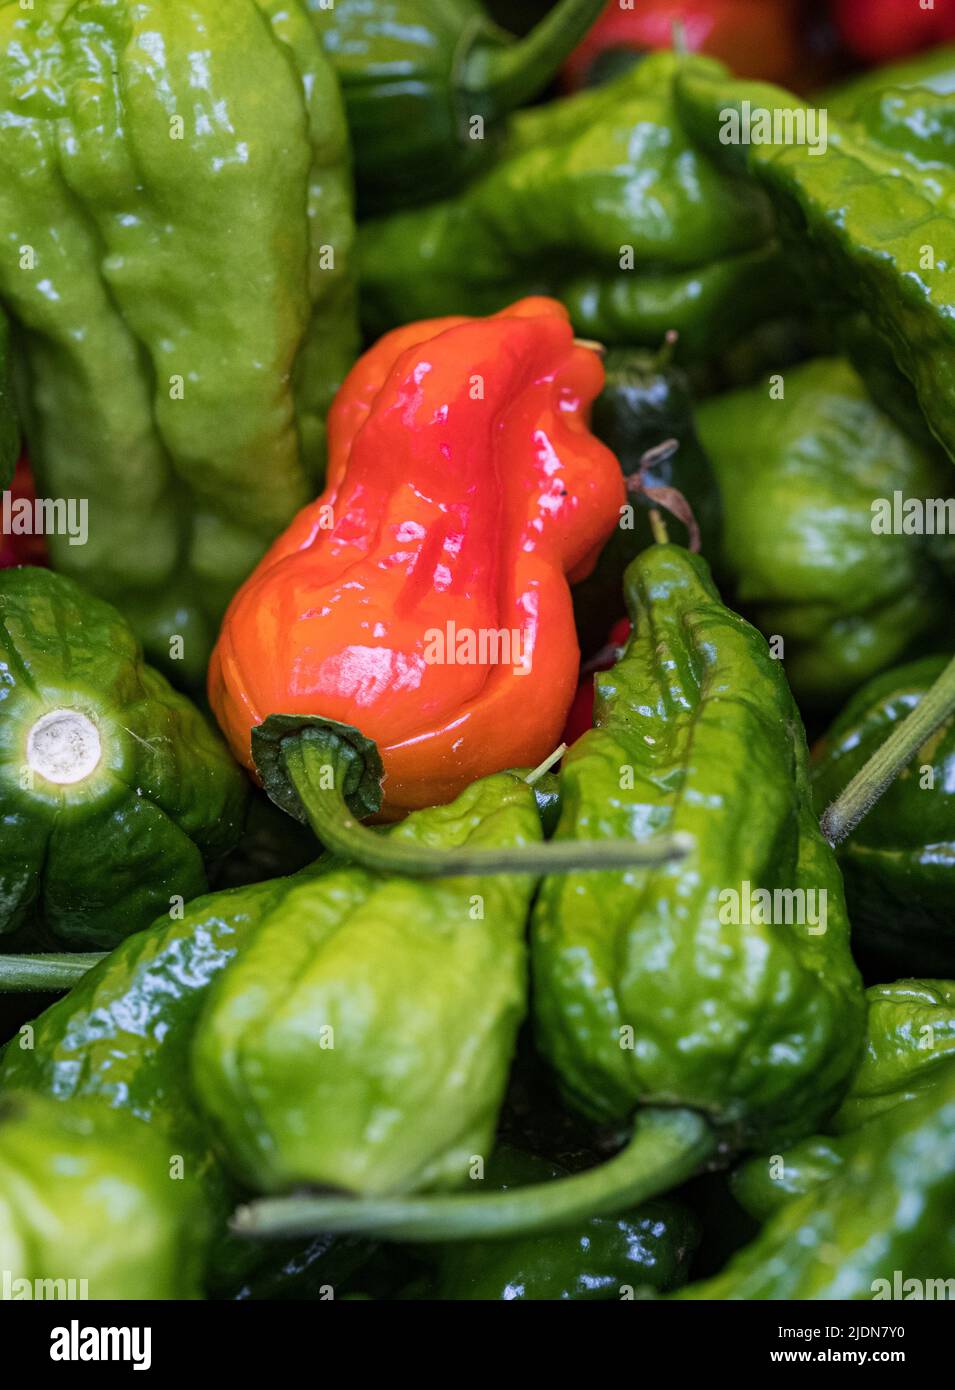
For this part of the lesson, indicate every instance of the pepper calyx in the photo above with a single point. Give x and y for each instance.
(350, 760)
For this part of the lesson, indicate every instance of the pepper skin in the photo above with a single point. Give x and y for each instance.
(934, 70)
(872, 212)
(416, 73)
(600, 1259)
(581, 186)
(910, 1039)
(85, 1198)
(114, 790)
(799, 477)
(453, 504)
(175, 206)
(884, 1219)
(363, 1037)
(877, 30)
(899, 862)
(645, 401)
(9, 428)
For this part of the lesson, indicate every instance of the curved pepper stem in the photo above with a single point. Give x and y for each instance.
(667, 1147)
(24, 974)
(869, 783)
(503, 73)
(328, 775)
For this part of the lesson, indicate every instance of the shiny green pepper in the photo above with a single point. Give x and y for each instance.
(9, 430)
(115, 791)
(176, 208)
(799, 478)
(933, 70)
(881, 1227)
(426, 84)
(899, 862)
(91, 1208)
(362, 1038)
(601, 200)
(910, 1036)
(599, 1259)
(871, 212)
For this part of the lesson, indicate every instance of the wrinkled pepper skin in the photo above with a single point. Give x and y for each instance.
(643, 995)
(85, 1198)
(9, 429)
(415, 74)
(899, 862)
(577, 183)
(362, 1038)
(883, 1219)
(875, 210)
(177, 171)
(600, 1259)
(451, 507)
(114, 790)
(644, 402)
(910, 1038)
(798, 478)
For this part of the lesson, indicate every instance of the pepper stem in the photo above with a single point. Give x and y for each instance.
(45, 972)
(505, 73)
(869, 783)
(667, 1147)
(318, 775)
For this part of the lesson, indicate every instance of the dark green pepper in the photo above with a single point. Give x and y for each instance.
(601, 200)
(176, 203)
(427, 84)
(90, 1207)
(114, 790)
(880, 1227)
(802, 479)
(603, 1258)
(645, 402)
(899, 862)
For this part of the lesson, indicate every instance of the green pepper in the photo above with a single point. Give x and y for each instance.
(880, 1227)
(601, 200)
(362, 1039)
(645, 402)
(800, 478)
(114, 790)
(899, 862)
(427, 84)
(717, 1000)
(933, 70)
(872, 208)
(9, 430)
(910, 1036)
(176, 202)
(601, 1258)
(91, 1208)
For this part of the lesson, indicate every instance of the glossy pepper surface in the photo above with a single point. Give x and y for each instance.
(362, 1038)
(872, 208)
(802, 479)
(603, 200)
(115, 792)
(899, 862)
(174, 188)
(89, 1209)
(464, 491)
(426, 85)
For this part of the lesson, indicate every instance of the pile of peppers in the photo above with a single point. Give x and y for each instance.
(477, 692)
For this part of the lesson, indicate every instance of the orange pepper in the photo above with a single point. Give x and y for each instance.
(464, 492)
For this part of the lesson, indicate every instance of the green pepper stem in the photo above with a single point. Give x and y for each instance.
(306, 766)
(869, 783)
(45, 972)
(543, 768)
(667, 1147)
(505, 73)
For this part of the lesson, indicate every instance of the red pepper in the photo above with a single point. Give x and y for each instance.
(464, 492)
(755, 38)
(878, 30)
(581, 716)
(16, 549)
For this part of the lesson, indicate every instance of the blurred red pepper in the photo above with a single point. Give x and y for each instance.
(877, 30)
(581, 716)
(22, 550)
(755, 38)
